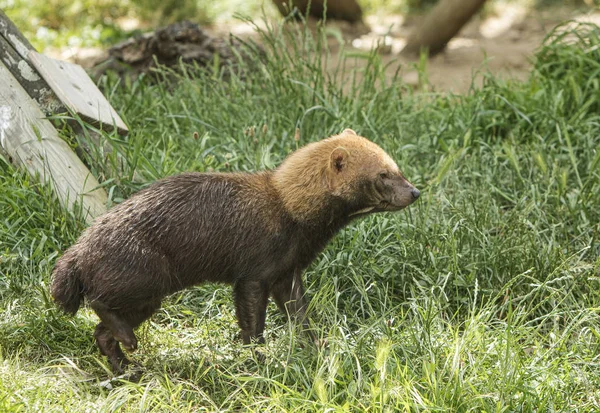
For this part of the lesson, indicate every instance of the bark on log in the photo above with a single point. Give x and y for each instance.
(348, 10)
(441, 25)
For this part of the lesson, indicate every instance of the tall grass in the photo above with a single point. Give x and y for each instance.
(483, 296)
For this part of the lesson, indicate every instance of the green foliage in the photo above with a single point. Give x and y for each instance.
(572, 71)
(483, 296)
(60, 23)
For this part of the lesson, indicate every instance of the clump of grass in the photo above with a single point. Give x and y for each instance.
(482, 296)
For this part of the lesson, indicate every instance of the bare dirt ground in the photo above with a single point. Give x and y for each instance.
(502, 42)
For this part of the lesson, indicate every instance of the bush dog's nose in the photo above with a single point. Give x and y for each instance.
(415, 193)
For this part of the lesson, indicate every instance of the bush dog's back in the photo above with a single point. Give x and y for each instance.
(256, 231)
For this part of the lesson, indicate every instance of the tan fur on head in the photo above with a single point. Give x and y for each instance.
(308, 177)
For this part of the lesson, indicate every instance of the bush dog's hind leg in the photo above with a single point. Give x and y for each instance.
(288, 293)
(123, 322)
(121, 330)
(110, 348)
(251, 298)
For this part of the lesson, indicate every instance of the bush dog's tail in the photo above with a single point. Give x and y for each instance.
(66, 287)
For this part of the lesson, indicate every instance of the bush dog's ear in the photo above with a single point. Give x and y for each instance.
(349, 132)
(338, 159)
(338, 162)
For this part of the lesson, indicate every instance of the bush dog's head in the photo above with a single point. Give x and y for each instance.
(363, 173)
(346, 168)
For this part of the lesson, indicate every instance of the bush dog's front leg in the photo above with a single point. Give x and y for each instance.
(251, 299)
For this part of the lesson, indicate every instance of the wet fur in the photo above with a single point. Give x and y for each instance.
(257, 232)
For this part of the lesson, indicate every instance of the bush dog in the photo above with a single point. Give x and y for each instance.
(256, 231)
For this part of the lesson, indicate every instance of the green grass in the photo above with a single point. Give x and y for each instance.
(483, 296)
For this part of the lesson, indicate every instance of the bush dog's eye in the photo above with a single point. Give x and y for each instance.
(383, 175)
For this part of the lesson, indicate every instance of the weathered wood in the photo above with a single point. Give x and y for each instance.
(31, 141)
(76, 90)
(441, 25)
(10, 31)
(14, 51)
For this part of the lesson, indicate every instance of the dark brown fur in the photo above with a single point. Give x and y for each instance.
(257, 232)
